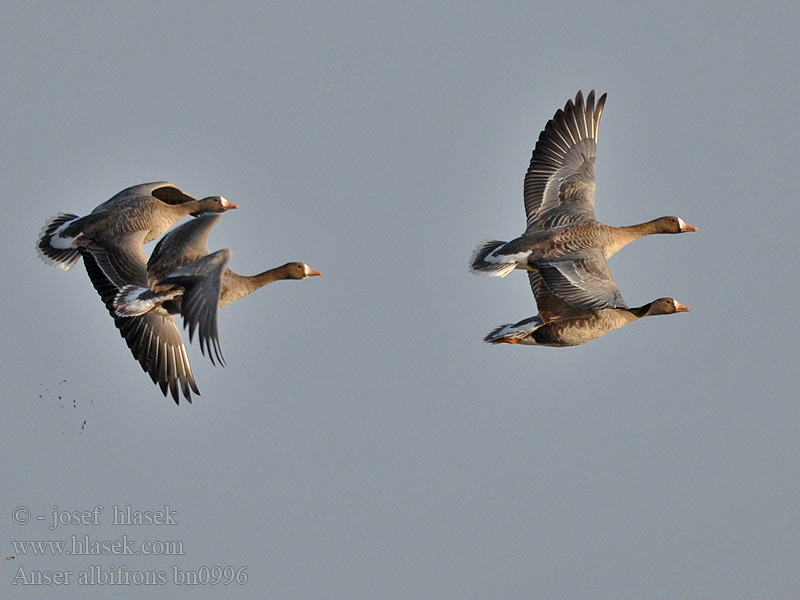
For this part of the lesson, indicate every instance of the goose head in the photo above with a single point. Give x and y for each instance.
(213, 204)
(673, 225)
(665, 306)
(297, 270)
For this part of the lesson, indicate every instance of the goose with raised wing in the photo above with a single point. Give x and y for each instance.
(182, 276)
(563, 240)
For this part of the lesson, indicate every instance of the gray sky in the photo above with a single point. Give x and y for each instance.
(363, 442)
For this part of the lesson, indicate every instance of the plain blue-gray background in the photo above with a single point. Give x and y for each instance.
(363, 442)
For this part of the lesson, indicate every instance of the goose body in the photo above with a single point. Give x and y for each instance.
(560, 323)
(149, 209)
(563, 240)
(579, 327)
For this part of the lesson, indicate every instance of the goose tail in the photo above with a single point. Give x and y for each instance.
(483, 263)
(55, 248)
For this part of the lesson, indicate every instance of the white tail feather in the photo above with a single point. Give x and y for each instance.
(55, 250)
(482, 263)
(129, 301)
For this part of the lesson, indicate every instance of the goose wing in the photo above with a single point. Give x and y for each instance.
(201, 281)
(559, 185)
(181, 245)
(550, 306)
(136, 194)
(582, 279)
(121, 258)
(153, 338)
